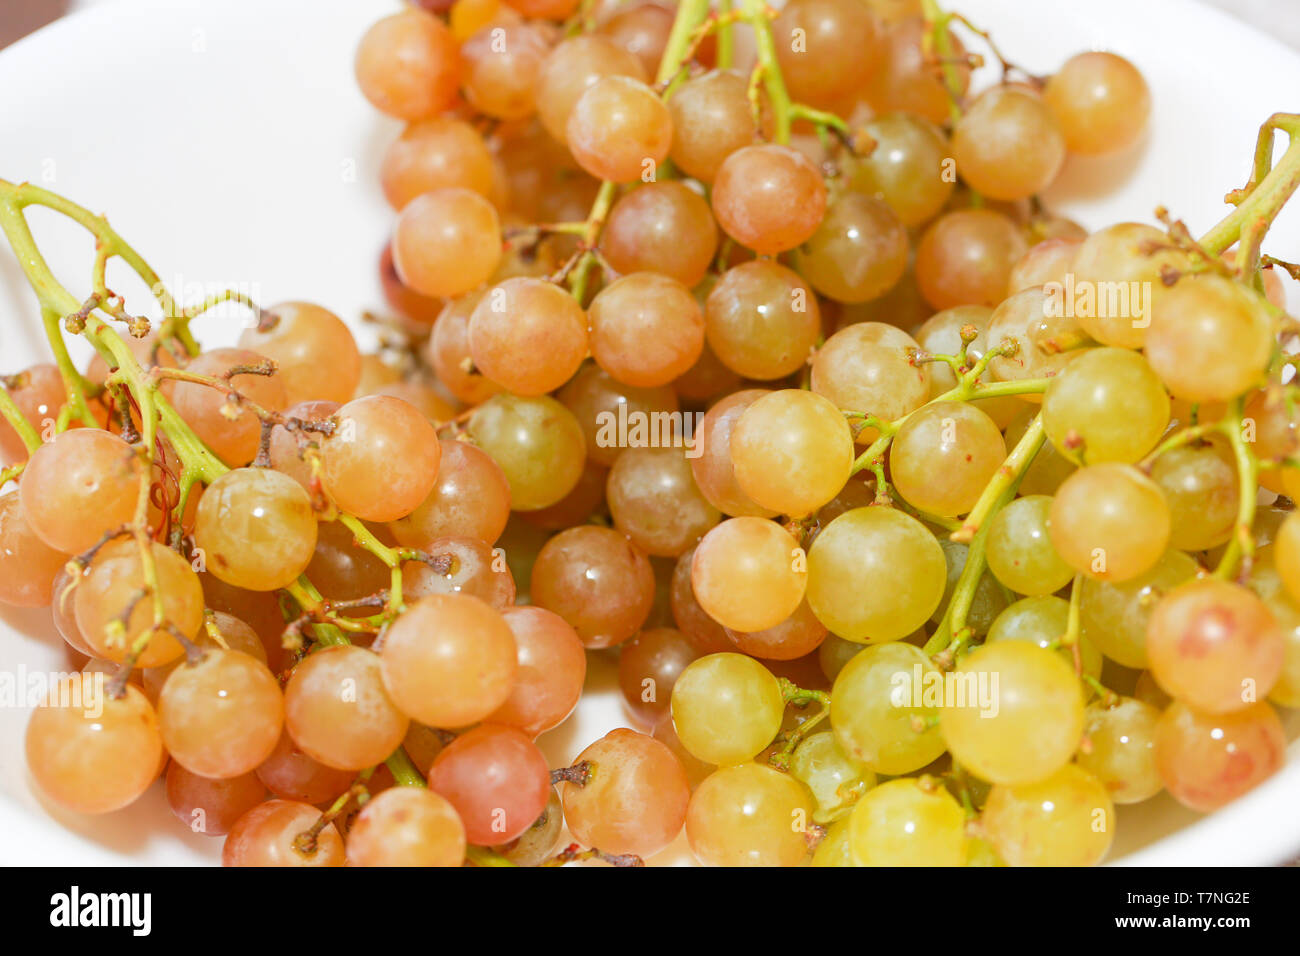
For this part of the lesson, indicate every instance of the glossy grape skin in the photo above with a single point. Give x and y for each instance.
(291, 774)
(1038, 718)
(798, 635)
(449, 660)
(941, 335)
(706, 634)
(834, 848)
(447, 351)
(471, 498)
(655, 501)
(642, 30)
(867, 368)
(943, 457)
(266, 836)
(1048, 261)
(889, 735)
(1049, 469)
(575, 64)
(381, 461)
(461, 566)
(1208, 760)
(537, 442)
(965, 258)
(635, 801)
(27, 564)
(877, 551)
(1008, 144)
(1199, 482)
(528, 335)
(648, 668)
(1044, 343)
(38, 394)
(747, 574)
(1114, 615)
(1210, 338)
(89, 752)
(231, 633)
(1109, 522)
(315, 355)
(907, 80)
(769, 198)
(1214, 645)
(235, 440)
(619, 129)
(858, 252)
(748, 815)
(838, 49)
(256, 528)
(665, 228)
(221, 716)
(792, 451)
(1101, 101)
(726, 708)
(905, 169)
(1020, 551)
(291, 458)
(551, 665)
(646, 329)
(211, 806)
(502, 63)
(711, 120)
(407, 65)
(446, 242)
(901, 823)
(496, 779)
(762, 320)
(406, 826)
(1066, 819)
(711, 462)
(597, 580)
(114, 578)
(79, 487)
(834, 653)
(1111, 401)
(435, 153)
(1043, 620)
(1121, 749)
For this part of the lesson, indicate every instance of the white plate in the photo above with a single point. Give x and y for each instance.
(229, 144)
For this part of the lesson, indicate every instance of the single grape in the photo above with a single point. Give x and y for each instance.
(437, 153)
(726, 708)
(271, 834)
(907, 79)
(879, 712)
(78, 487)
(902, 823)
(1208, 760)
(1037, 342)
(470, 498)
(769, 197)
(551, 665)
(502, 63)
(1044, 620)
(208, 410)
(1101, 101)
(797, 636)
(1051, 260)
(944, 455)
(597, 580)
(748, 574)
(406, 826)
(1114, 615)
(1200, 485)
(1019, 548)
(497, 781)
(209, 806)
(648, 668)
(407, 65)
(537, 442)
(646, 329)
(38, 393)
(834, 849)
(835, 779)
(461, 566)
(1109, 522)
(906, 167)
(762, 320)
(575, 64)
(666, 228)
(706, 634)
(858, 252)
(314, 353)
(1008, 144)
(867, 368)
(28, 565)
(619, 129)
(446, 242)
(1066, 819)
(654, 500)
(292, 775)
(1108, 405)
(381, 460)
(1120, 748)
(711, 120)
(749, 815)
(528, 335)
(826, 48)
(965, 258)
(256, 529)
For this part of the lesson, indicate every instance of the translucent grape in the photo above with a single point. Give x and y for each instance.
(314, 353)
(654, 500)
(838, 48)
(648, 668)
(769, 197)
(575, 64)
(762, 320)
(1049, 469)
(858, 252)
(646, 329)
(502, 64)
(537, 442)
(268, 835)
(1106, 406)
(726, 708)
(748, 574)
(27, 564)
(944, 455)
(711, 464)
(619, 129)
(448, 352)
(292, 775)
(748, 815)
(965, 258)
(256, 528)
(706, 634)
(867, 368)
(78, 487)
(209, 806)
(599, 403)
(235, 440)
(902, 823)
(1109, 522)
(1008, 144)
(661, 227)
(551, 667)
(1121, 749)
(1101, 100)
(711, 120)
(1199, 482)
(435, 153)
(1119, 267)
(797, 636)
(38, 394)
(446, 242)
(1049, 261)
(496, 779)
(835, 779)
(1067, 819)
(1044, 620)
(1043, 342)
(1114, 615)
(907, 80)
(879, 713)
(528, 335)
(1208, 760)
(406, 826)
(407, 65)
(471, 498)
(906, 167)
(597, 580)
(381, 460)
(1019, 548)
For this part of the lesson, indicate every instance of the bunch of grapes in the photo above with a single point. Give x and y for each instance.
(926, 525)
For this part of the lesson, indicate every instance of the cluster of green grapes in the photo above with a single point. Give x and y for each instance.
(964, 551)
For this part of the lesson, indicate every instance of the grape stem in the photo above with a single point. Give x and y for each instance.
(767, 70)
(1241, 546)
(1021, 457)
(791, 693)
(1268, 190)
(936, 37)
(30, 437)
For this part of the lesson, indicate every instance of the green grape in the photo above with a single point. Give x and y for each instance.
(943, 457)
(1066, 819)
(1108, 405)
(1114, 615)
(1021, 717)
(256, 528)
(857, 253)
(879, 710)
(981, 853)
(835, 779)
(1019, 549)
(1043, 621)
(726, 708)
(989, 601)
(875, 574)
(537, 442)
(835, 848)
(905, 169)
(905, 823)
(1120, 748)
(1110, 522)
(1199, 482)
(867, 368)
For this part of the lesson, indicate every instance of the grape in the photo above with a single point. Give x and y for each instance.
(449, 660)
(706, 634)
(461, 566)
(470, 498)
(875, 721)
(599, 402)
(38, 394)
(27, 564)
(496, 779)
(661, 227)
(235, 440)
(907, 80)
(221, 716)
(315, 355)
(1021, 716)
(635, 800)
(548, 9)
(965, 258)
(448, 352)
(111, 587)
(597, 580)
(1124, 263)
(726, 708)
(881, 552)
(798, 635)
(762, 320)
(941, 335)
(1270, 420)
(256, 529)
(749, 815)
(406, 826)
(944, 455)
(867, 368)
(835, 779)
(902, 823)
(646, 329)
(711, 120)
(1214, 645)
(619, 129)
(585, 501)
(1200, 485)
(1049, 261)
(1101, 101)
(528, 335)
(551, 666)
(906, 167)
(292, 775)
(834, 849)
(1044, 344)
(648, 668)
(1207, 760)
(381, 460)
(437, 153)
(838, 49)
(79, 487)
(446, 242)
(502, 63)
(208, 806)
(1008, 144)
(407, 65)
(61, 599)
(1066, 819)
(234, 634)
(575, 64)
(1106, 406)
(858, 252)
(89, 752)
(1148, 691)
(654, 500)
(990, 598)
(712, 466)
(834, 653)
(342, 570)
(1114, 615)
(537, 442)
(1020, 552)
(748, 574)
(287, 457)
(421, 311)
(769, 197)
(1109, 522)
(1043, 621)
(267, 835)
(1121, 750)
(1265, 581)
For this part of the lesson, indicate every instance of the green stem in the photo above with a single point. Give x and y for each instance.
(726, 42)
(1241, 546)
(1268, 190)
(18, 421)
(756, 13)
(1021, 457)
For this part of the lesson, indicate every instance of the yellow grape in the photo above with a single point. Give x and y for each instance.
(1019, 548)
(879, 711)
(726, 708)
(1109, 522)
(748, 574)
(1108, 405)
(1066, 819)
(944, 455)
(749, 815)
(256, 528)
(905, 823)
